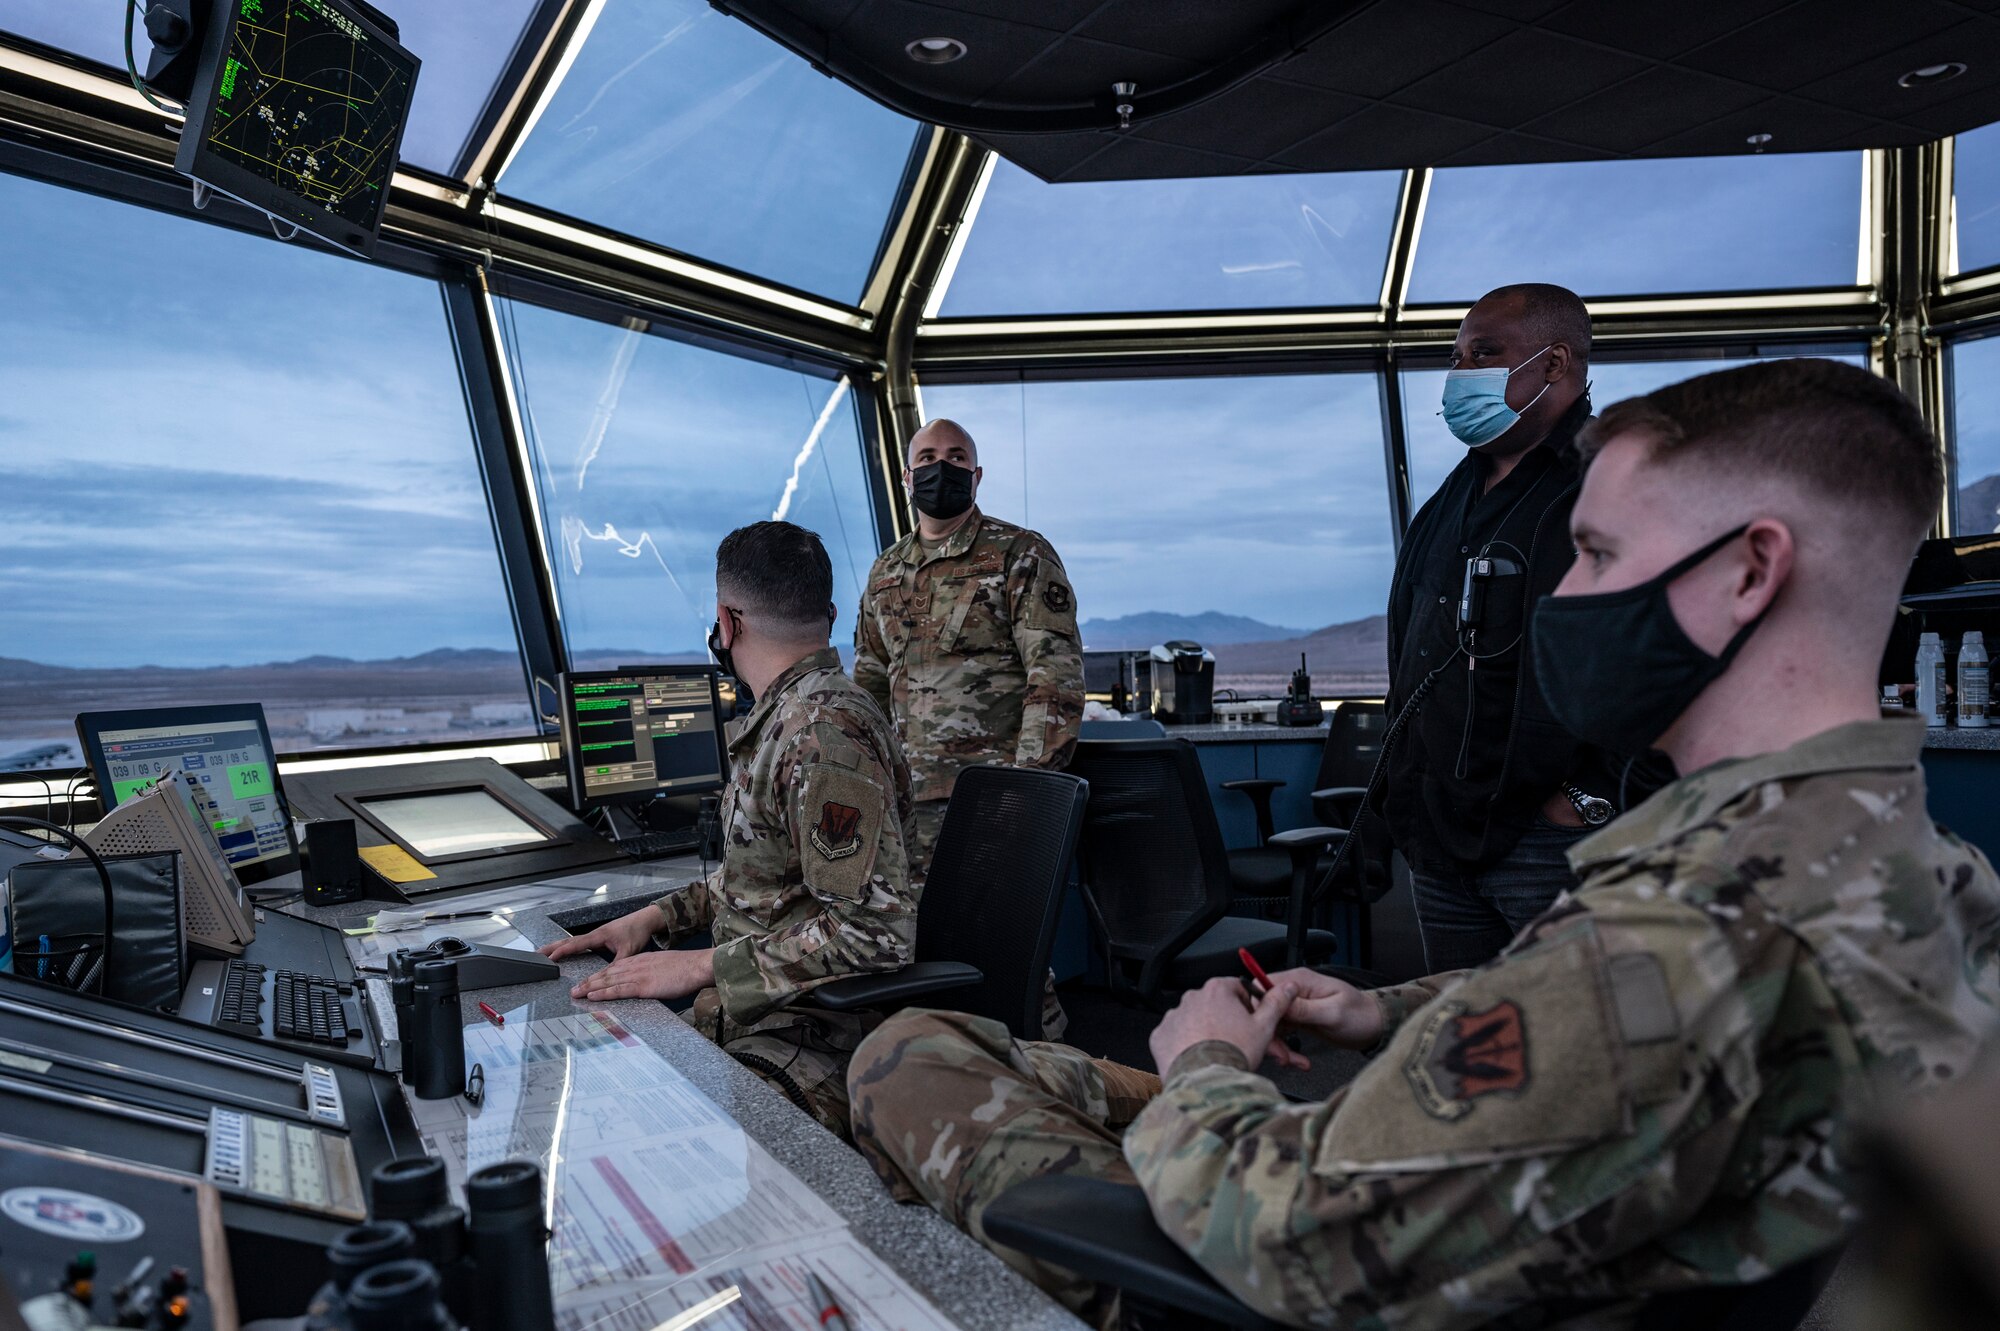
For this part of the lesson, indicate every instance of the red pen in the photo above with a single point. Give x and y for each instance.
(1249, 963)
(499, 1020)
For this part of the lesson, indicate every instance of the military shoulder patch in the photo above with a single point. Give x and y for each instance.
(837, 828)
(1460, 1056)
(1055, 596)
(837, 834)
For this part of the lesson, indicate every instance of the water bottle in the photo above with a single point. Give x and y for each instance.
(1930, 679)
(1972, 680)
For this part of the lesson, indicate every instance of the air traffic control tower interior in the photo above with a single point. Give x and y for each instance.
(1404, 738)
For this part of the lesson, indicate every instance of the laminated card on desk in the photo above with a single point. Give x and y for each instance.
(661, 1204)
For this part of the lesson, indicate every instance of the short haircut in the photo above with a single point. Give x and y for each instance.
(1832, 429)
(943, 426)
(777, 573)
(1552, 313)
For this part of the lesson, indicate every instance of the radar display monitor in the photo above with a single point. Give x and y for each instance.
(629, 735)
(225, 755)
(297, 109)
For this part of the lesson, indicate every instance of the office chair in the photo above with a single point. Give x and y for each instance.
(1265, 872)
(1105, 1232)
(1156, 877)
(987, 920)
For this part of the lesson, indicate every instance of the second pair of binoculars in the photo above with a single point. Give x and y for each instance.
(425, 1264)
(424, 989)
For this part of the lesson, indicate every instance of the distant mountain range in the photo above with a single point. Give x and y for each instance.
(454, 659)
(1358, 647)
(1149, 628)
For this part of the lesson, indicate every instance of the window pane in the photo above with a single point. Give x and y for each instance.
(254, 454)
(1975, 418)
(1434, 451)
(649, 451)
(1641, 228)
(1249, 514)
(464, 45)
(1227, 243)
(682, 126)
(1975, 169)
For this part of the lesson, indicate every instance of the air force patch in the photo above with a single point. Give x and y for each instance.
(837, 834)
(1460, 1056)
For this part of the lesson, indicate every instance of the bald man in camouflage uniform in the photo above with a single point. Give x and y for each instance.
(814, 884)
(967, 637)
(1647, 1091)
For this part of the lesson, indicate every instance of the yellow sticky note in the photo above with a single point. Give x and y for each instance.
(394, 864)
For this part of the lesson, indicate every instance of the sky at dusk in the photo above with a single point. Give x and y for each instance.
(220, 449)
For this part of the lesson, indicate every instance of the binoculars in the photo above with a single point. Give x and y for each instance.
(424, 1264)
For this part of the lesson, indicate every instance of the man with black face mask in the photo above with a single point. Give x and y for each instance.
(1485, 791)
(967, 634)
(1649, 1091)
(967, 638)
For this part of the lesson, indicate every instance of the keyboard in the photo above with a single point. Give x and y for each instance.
(659, 845)
(281, 1006)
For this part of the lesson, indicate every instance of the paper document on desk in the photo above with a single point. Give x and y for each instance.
(654, 1185)
(762, 1289)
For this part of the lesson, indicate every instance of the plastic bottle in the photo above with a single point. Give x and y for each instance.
(1892, 698)
(1973, 680)
(1930, 679)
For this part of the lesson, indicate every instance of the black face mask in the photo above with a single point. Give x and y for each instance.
(941, 490)
(723, 658)
(1617, 669)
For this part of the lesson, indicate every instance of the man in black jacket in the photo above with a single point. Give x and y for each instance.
(1484, 791)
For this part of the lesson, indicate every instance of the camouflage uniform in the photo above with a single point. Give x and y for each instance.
(972, 648)
(1641, 1094)
(813, 884)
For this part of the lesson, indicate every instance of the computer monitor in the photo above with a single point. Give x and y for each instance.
(225, 751)
(629, 735)
(172, 816)
(297, 109)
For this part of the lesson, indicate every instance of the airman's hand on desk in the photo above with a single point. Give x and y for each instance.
(1332, 1009)
(621, 937)
(668, 974)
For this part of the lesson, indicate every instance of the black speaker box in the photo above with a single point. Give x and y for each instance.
(332, 871)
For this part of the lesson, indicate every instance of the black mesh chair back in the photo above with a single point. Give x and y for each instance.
(1154, 868)
(995, 887)
(1353, 744)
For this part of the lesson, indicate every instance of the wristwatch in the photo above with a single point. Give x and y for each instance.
(1591, 809)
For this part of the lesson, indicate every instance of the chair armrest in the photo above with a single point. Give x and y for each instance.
(1308, 838)
(1258, 789)
(1340, 793)
(894, 989)
(1105, 1232)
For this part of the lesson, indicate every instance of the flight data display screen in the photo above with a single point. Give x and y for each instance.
(638, 735)
(311, 99)
(228, 777)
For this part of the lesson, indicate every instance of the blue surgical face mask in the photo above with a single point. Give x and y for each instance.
(1475, 402)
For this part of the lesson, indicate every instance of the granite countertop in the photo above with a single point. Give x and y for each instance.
(1951, 737)
(969, 1285)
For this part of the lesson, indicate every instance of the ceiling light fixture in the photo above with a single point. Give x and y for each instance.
(1929, 74)
(1758, 141)
(1124, 91)
(935, 50)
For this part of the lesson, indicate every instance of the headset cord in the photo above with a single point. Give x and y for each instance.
(1389, 737)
